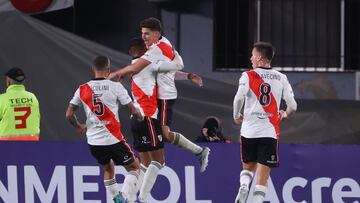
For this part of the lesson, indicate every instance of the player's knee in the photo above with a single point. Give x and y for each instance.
(133, 166)
(251, 166)
(158, 164)
(108, 167)
(166, 136)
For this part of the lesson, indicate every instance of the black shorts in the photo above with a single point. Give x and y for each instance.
(147, 134)
(165, 111)
(260, 150)
(121, 153)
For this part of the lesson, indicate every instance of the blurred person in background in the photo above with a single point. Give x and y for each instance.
(212, 131)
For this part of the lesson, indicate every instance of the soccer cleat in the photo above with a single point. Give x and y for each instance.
(242, 194)
(119, 198)
(204, 158)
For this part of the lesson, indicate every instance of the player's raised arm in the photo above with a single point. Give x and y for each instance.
(176, 64)
(180, 75)
(130, 69)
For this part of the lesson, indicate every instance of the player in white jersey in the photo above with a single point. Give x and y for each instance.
(261, 89)
(148, 139)
(160, 49)
(100, 99)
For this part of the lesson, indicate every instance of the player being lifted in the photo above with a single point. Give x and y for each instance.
(148, 138)
(160, 49)
(100, 99)
(262, 89)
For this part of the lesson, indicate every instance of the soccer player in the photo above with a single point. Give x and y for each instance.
(160, 49)
(261, 89)
(19, 110)
(148, 138)
(100, 99)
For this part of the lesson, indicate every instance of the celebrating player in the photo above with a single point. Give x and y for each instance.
(100, 99)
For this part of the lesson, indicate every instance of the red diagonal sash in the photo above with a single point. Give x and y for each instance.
(108, 117)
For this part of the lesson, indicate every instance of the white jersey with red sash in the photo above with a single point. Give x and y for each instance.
(263, 89)
(163, 51)
(144, 90)
(100, 99)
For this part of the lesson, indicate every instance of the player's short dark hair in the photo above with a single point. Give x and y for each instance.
(266, 49)
(100, 62)
(152, 23)
(136, 45)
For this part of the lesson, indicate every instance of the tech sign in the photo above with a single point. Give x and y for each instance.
(64, 172)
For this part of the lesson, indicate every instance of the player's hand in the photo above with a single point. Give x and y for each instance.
(138, 116)
(196, 79)
(115, 75)
(282, 114)
(81, 129)
(239, 120)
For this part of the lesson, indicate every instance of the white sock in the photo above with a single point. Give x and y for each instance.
(112, 187)
(259, 193)
(246, 177)
(130, 185)
(183, 142)
(149, 179)
(143, 169)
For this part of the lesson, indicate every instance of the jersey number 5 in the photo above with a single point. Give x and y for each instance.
(265, 90)
(22, 118)
(98, 105)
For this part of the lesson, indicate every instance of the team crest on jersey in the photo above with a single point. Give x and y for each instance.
(160, 138)
(272, 157)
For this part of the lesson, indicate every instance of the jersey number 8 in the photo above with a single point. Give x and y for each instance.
(265, 90)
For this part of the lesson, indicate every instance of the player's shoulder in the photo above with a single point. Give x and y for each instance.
(115, 84)
(165, 47)
(249, 73)
(283, 76)
(31, 94)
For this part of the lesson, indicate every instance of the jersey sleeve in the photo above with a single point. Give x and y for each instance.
(288, 96)
(76, 98)
(287, 91)
(174, 65)
(240, 95)
(122, 94)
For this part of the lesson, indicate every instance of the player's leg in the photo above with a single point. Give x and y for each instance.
(249, 159)
(145, 162)
(263, 173)
(267, 159)
(157, 163)
(102, 155)
(176, 138)
(180, 140)
(122, 154)
(150, 146)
